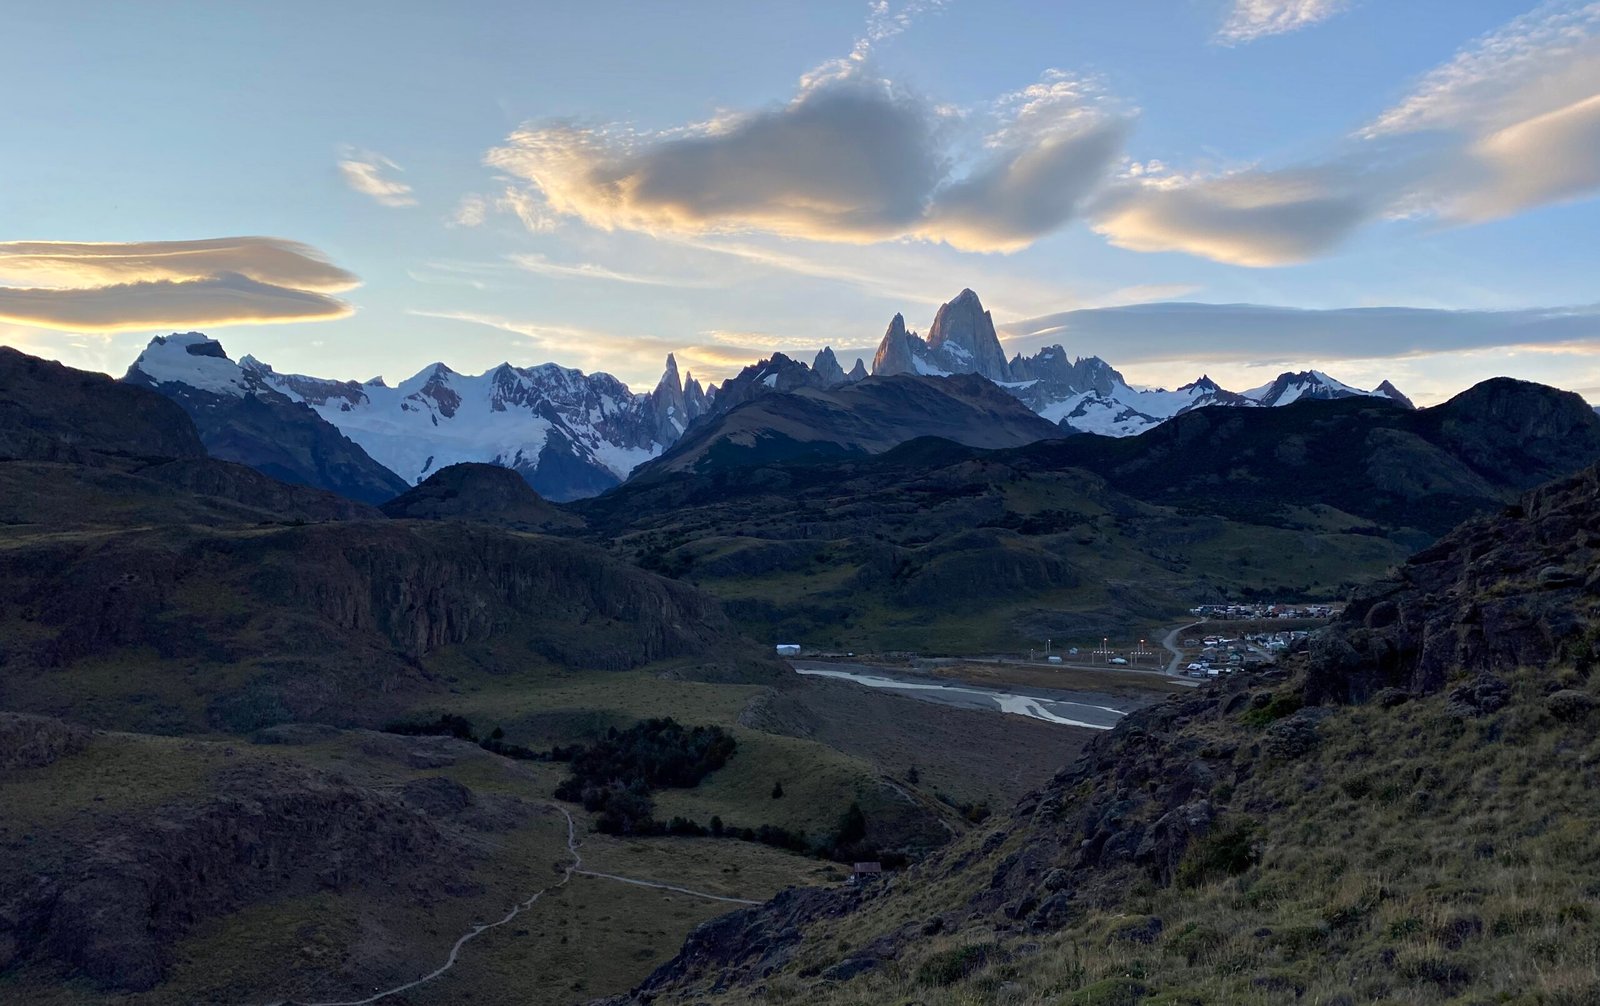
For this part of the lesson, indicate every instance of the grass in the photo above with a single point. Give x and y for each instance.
(1411, 858)
(343, 943)
(116, 774)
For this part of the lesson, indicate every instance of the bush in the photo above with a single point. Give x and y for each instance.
(1224, 853)
(950, 966)
(447, 725)
(1275, 708)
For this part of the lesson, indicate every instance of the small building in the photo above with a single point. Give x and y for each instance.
(788, 649)
(861, 871)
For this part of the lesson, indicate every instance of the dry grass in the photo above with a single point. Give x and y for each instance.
(1413, 858)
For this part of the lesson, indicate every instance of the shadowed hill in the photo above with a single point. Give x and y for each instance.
(49, 412)
(480, 492)
(1428, 469)
(936, 546)
(866, 417)
(184, 593)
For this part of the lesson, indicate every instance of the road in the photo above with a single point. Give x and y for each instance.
(573, 869)
(1171, 644)
(1073, 709)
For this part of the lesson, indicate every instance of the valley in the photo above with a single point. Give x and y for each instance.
(524, 504)
(423, 751)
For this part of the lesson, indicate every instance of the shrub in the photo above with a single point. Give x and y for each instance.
(951, 966)
(447, 725)
(1227, 852)
(1275, 708)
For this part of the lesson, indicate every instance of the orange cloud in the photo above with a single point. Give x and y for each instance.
(114, 287)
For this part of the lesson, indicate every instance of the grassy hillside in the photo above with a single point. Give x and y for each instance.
(916, 551)
(1405, 815)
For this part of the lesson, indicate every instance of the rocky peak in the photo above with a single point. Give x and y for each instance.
(669, 377)
(1389, 391)
(671, 407)
(192, 359)
(858, 372)
(895, 354)
(826, 367)
(964, 332)
(695, 400)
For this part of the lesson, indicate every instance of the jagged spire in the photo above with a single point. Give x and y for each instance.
(826, 366)
(669, 378)
(894, 351)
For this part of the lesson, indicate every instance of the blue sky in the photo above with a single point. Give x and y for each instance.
(599, 184)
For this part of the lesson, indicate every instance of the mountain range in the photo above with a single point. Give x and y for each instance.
(573, 435)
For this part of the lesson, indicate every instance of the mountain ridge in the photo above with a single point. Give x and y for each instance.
(572, 435)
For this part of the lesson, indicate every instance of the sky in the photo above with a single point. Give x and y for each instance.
(1230, 187)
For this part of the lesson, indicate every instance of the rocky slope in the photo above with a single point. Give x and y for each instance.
(330, 622)
(1399, 817)
(112, 909)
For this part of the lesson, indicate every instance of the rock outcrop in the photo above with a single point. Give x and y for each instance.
(1517, 589)
(114, 908)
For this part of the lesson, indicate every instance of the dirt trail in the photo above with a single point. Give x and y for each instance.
(575, 868)
(1171, 644)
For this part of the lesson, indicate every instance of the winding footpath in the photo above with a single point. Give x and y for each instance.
(573, 869)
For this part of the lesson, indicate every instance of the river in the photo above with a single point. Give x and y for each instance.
(1038, 704)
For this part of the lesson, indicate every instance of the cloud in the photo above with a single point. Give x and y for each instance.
(597, 350)
(364, 171)
(1250, 218)
(850, 159)
(112, 287)
(1253, 19)
(1511, 123)
(1549, 158)
(1249, 332)
(1514, 118)
(541, 266)
(471, 211)
(1542, 59)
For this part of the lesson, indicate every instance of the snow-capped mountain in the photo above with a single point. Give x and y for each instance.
(1084, 394)
(241, 419)
(569, 434)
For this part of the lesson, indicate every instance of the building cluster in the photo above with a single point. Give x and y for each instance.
(1218, 655)
(1263, 611)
